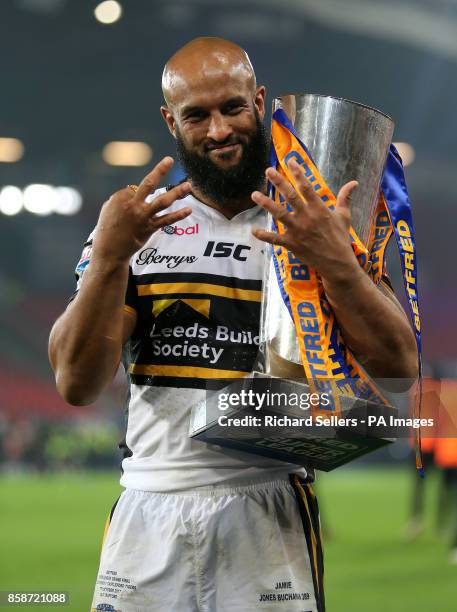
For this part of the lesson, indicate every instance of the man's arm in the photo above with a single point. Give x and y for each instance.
(373, 324)
(86, 342)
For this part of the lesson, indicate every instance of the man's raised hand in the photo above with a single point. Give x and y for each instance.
(316, 235)
(127, 221)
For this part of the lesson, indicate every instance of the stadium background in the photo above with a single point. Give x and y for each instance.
(69, 86)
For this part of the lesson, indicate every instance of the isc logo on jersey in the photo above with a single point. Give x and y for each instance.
(226, 249)
(180, 231)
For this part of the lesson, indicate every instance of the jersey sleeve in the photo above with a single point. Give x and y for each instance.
(130, 304)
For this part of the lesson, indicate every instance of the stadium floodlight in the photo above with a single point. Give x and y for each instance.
(407, 152)
(108, 12)
(40, 199)
(11, 200)
(69, 201)
(127, 153)
(11, 150)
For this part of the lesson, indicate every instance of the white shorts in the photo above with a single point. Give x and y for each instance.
(213, 549)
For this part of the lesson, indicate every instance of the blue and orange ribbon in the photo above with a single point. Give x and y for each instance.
(328, 363)
(395, 192)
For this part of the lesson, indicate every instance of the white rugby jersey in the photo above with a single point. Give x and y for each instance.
(196, 288)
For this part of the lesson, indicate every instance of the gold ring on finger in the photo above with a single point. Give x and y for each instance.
(134, 188)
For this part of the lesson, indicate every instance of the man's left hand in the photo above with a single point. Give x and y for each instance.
(318, 236)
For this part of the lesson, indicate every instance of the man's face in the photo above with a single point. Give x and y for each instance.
(221, 140)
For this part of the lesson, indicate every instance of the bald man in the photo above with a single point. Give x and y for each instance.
(170, 282)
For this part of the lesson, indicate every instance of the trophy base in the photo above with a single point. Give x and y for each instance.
(289, 433)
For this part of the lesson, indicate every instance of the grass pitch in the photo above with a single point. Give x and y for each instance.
(51, 528)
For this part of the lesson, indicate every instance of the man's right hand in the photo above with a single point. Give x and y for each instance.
(86, 342)
(127, 221)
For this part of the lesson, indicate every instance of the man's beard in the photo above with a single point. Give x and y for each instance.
(230, 184)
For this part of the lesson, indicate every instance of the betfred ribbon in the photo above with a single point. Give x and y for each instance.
(328, 363)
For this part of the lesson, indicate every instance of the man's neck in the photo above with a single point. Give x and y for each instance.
(229, 208)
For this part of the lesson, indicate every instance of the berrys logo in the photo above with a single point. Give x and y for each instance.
(151, 256)
(180, 231)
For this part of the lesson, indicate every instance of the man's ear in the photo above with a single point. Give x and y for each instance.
(169, 119)
(259, 100)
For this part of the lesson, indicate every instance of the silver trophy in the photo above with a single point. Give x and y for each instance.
(347, 141)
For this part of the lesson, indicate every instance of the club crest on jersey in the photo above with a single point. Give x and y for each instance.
(84, 261)
(180, 231)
